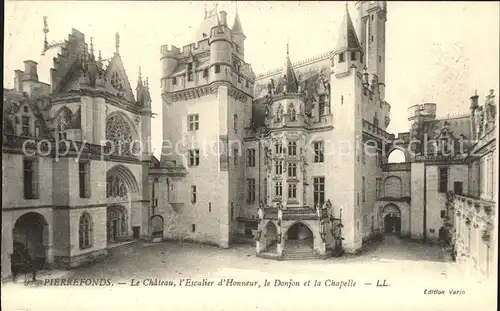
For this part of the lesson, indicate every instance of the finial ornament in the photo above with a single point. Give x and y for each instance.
(91, 46)
(347, 5)
(117, 42)
(287, 47)
(139, 79)
(475, 93)
(45, 30)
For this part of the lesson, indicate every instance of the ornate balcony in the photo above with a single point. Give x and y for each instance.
(302, 213)
(170, 171)
(376, 131)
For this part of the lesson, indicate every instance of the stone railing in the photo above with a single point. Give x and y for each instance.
(376, 131)
(300, 213)
(406, 199)
(46, 147)
(171, 171)
(473, 217)
(386, 167)
(290, 214)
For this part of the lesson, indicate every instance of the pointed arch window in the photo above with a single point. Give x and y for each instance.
(85, 231)
(119, 136)
(115, 187)
(293, 113)
(37, 128)
(279, 114)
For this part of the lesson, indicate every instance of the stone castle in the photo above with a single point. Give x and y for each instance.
(294, 160)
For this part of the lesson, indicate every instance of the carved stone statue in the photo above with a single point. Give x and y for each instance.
(479, 122)
(490, 109)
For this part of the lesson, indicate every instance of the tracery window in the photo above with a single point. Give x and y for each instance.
(293, 113)
(279, 114)
(85, 231)
(115, 187)
(117, 223)
(119, 137)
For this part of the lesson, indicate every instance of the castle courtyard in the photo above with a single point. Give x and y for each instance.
(400, 264)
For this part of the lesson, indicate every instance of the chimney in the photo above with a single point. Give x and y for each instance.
(474, 103)
(18, 78)
(223, 18)
(30, 71)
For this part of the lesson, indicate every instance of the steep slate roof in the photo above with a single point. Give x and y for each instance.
(288, 77)
(237, 29)
(347, 38)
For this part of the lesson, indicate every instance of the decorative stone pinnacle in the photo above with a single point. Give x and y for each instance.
(117, 43)
(91, 45)
(45, 31)
(100, 56)
(140, 76)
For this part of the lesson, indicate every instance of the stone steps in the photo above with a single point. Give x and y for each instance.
(301, 255)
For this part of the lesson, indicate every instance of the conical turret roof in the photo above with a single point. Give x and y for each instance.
(347, 39)
(237, 29)
(289, 78)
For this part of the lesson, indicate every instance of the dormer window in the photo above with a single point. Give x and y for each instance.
(190, 71)
(25, 108)
(25, 126)
(353, 55)
(341, 57)
(37, 128)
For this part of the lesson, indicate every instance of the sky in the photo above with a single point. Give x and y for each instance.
(437, 51)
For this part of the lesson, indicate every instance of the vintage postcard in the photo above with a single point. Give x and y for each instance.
(250, 155)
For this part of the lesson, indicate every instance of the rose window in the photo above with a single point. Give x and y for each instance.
(119, 137)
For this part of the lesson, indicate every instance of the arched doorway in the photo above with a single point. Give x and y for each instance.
(117, 224)
(299, 237)
(392, 219)
(156, 228)
(30, 235)
(271, 238)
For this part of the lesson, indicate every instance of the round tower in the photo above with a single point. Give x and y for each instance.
(168, 63)
(221, 47)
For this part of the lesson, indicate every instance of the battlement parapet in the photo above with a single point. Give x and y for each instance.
(169, 50)
(220, 33)
(427, 110)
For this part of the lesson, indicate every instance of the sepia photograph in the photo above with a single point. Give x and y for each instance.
(250, 155)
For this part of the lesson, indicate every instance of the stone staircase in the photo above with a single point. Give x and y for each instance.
(305, 254)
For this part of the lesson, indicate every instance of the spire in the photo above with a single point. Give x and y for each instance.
(45, 30)
(237, 29)
(347, 39)
(289, 78)
(139, 79)
(92, 46)
(117, 43)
